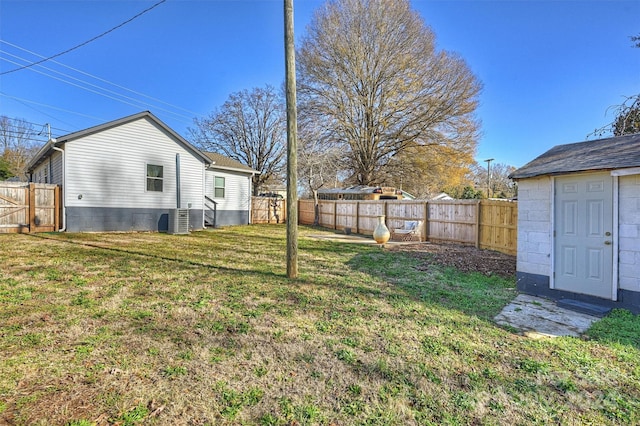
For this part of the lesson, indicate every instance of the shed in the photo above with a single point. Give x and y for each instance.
(579, 223)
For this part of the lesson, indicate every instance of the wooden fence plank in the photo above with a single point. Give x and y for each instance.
(29, 207)
(487, 224)
(268, 210)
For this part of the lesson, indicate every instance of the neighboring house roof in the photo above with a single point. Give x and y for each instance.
(442, 196)
(219, 161)
(47, 149)
(603, 154)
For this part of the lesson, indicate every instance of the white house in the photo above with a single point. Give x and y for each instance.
(228, 191)
(579, 223)
(128, 174)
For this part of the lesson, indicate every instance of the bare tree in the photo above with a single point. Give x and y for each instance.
(370, 73)
(250, 127)
(426, 171)
(627, 119)
(496, 179)
(318, 164)
(18, 140)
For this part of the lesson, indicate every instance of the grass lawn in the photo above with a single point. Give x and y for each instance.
(205, 329)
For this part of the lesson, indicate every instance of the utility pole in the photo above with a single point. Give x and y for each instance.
(488, 161)
(292, 142)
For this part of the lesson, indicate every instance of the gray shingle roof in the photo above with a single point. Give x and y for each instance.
(221, 162)
(602, 154)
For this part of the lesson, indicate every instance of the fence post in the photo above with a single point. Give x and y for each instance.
(357, 217)
(335, 214)
(478, 222)
(426, 221)
(56, 208)
(32, 207)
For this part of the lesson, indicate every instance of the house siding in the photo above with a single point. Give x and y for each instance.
(108, 169)
(56, 166)
(106, 179)
(50, 171)
(234, 208)
(629, 233)
(534, 226)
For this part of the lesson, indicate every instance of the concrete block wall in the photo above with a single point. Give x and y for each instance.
(629, 232)
(534, 226)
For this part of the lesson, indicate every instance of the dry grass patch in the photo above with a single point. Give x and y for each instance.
(206, 329)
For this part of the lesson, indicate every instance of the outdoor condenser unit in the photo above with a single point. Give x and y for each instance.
(179, 221)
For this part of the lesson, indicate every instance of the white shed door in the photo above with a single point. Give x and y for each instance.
(583, 234)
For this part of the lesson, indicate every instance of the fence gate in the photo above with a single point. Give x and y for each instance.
(29, 207)
(268, 210)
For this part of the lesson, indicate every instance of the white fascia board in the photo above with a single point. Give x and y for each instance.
(626, 172)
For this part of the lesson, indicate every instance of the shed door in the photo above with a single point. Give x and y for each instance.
(583, 234)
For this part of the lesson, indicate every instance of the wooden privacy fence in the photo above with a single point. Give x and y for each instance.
(268, 210)
(29, 207)
(487, 224)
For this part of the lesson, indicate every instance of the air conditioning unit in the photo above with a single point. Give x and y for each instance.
(179, 221)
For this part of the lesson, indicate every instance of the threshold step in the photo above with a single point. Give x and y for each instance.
(584, 307)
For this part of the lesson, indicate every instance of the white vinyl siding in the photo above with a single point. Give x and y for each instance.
(50, 171)
(38, 173)
(108, 169)
(56, 166)
(237, 188)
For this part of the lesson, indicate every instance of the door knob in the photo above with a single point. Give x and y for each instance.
(607, 243)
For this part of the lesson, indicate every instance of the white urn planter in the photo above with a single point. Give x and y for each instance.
(381, 233)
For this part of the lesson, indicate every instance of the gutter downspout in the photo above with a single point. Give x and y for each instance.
(64, 187)
(178, 181)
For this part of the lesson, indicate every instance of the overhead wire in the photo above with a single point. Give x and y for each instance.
(120, 97)
(102, 79)
(29, 101)
(79, 86)
(33, 124)
(140, 104)
(86, 42)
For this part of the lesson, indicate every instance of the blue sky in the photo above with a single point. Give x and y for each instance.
(550, 69)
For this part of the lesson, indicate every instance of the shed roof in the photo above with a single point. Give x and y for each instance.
(602, 154)
(219, 161)
(46, 150)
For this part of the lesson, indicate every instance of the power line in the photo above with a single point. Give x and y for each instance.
(79, 86)
(86, 42)
(101, 79)
(31, 130)
(24, 101)
(141, 104)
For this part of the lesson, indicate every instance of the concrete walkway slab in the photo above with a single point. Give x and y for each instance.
(538, 317)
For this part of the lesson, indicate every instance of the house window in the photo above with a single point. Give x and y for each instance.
(154, 177)
(218, 187)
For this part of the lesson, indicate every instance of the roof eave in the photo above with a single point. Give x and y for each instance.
(45, 151)
(213, 165)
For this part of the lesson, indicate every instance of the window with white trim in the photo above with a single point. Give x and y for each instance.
(155, 177)
(218, 187)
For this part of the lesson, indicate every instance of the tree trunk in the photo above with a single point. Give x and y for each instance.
(316, 208)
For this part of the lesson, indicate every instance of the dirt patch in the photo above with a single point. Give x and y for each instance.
(463, 258)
